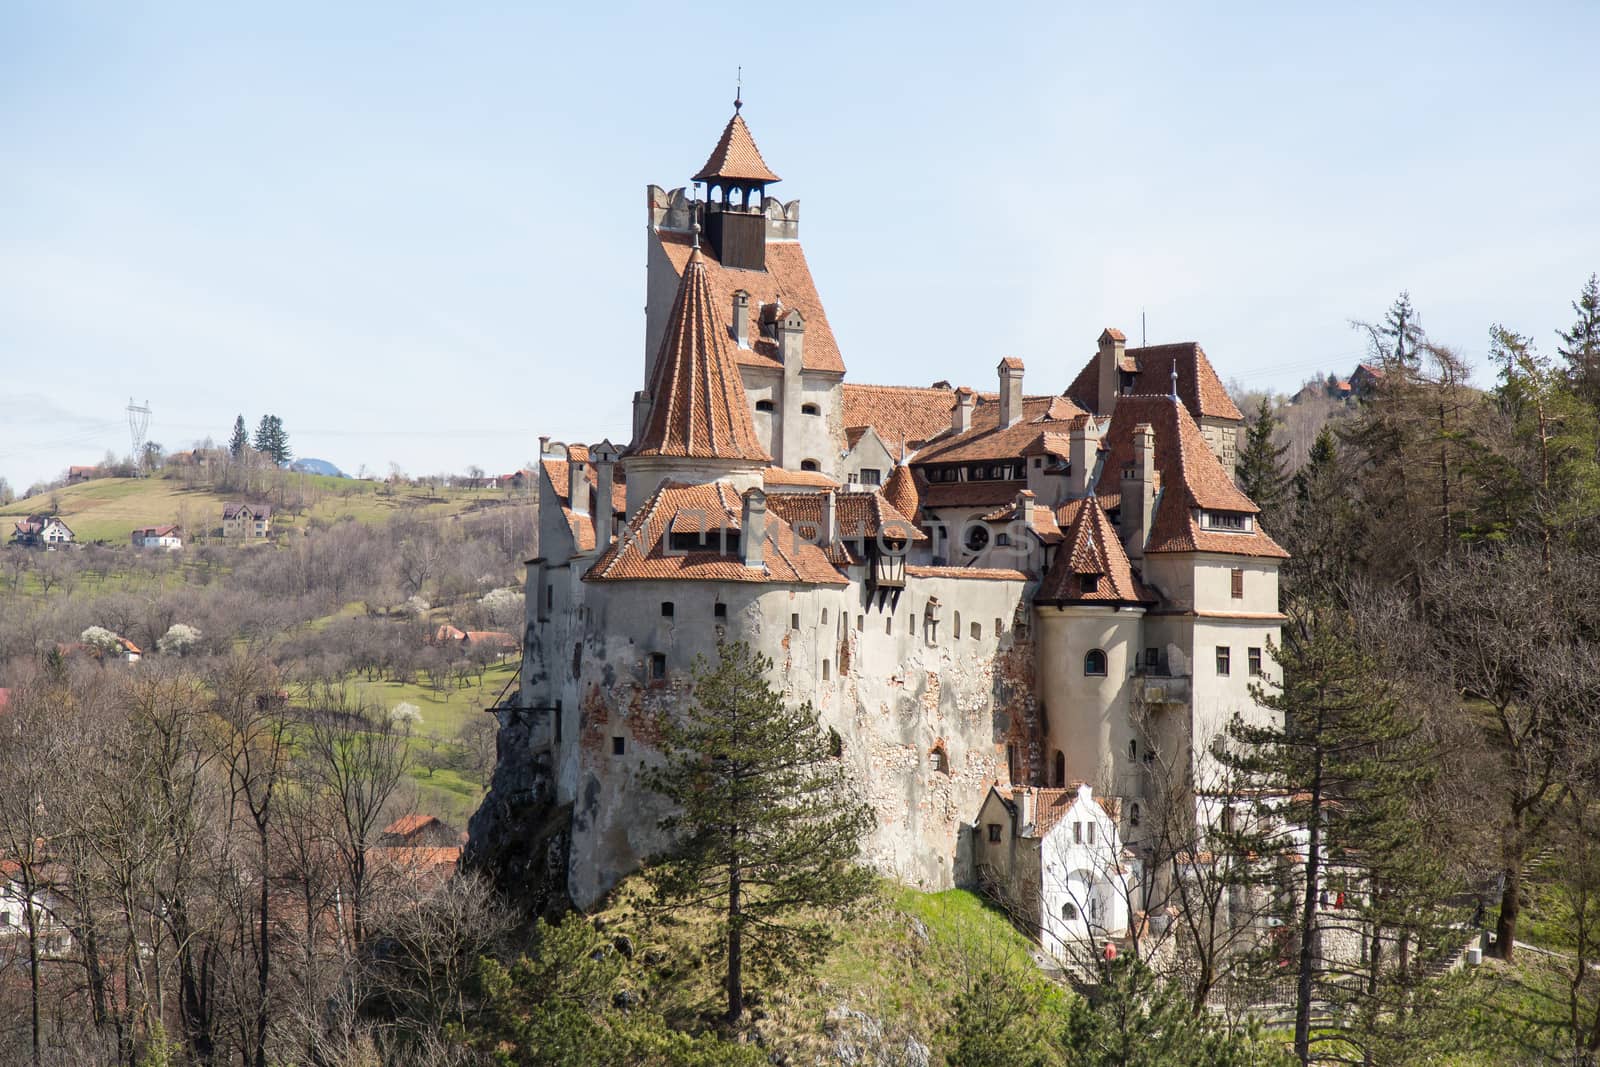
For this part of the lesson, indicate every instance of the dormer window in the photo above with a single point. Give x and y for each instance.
(1088, 583)
(723, 542)
(1227, 521)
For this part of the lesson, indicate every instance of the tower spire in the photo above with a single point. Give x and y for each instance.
(738, 90)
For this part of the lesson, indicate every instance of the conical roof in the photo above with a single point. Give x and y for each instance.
(901, 491)
(698, 408)
(736, 157)
(1090, 550)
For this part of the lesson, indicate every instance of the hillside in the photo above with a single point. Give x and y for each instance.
(107, 509)
(884, 989)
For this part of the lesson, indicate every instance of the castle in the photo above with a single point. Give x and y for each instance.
(1004, 604)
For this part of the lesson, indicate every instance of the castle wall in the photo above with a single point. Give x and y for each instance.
(893, 688)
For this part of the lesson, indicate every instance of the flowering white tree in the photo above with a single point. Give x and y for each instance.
(179, 640)
(406, 715)
(503, 606)
(101, 640)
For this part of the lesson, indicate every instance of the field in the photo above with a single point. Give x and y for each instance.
(107, 509)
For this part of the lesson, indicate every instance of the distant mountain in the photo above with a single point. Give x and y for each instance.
(317, 466)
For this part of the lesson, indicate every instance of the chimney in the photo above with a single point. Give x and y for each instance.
(604, 456)
(741, 318)
(1025, 507)
(1010, 391)
(830, 519)
(1081, 450)
(791, 337)
(961, 420)
(753, 526)
(577, 486)
(1112, 346)
(1139, 492)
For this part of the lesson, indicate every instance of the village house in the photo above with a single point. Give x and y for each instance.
(167, 537)
(993, 597)
(246, 521)
(77, 474)
(42, 531)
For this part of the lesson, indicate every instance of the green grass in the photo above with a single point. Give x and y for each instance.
(443, 713)
(108, 509)
(900, 960)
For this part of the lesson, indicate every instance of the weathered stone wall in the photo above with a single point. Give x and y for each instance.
(892, 687)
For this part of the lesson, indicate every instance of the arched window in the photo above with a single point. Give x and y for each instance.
(1069, 911)
(940, 760)
(810, 409)
(810, 465)
(764, 405)
(1133, 749)
(1134, 814)
(1094, 662)
(1061, 770)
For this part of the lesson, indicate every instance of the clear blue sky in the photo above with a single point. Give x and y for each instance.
(417, 233)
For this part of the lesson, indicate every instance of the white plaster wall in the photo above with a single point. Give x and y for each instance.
(870, 452)
(1089, 877)
(1090, 718)
(1218, 697)
(1213, 584)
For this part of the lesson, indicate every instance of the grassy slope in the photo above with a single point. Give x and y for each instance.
(446, 792)
(900, 961)
(107, 509)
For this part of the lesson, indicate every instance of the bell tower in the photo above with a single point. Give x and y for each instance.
(736, 180)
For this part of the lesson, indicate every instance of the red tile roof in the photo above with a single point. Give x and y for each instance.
(899, 413)
(582, 526)
(698, 407)
(901, 491)
(778, 476)
(736, 157)
(1199, 387)
(786, 281)
(969, 494)
(406, 825)
(859, 515)
(641, 550)
(988, 574)
(1044, 523)
(1090, 547)
(987, 439)
(1191, 478)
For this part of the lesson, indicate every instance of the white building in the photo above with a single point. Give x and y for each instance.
(981, 592)
(164, 537)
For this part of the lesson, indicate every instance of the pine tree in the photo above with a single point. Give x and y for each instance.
(240, 439)
(1580, 346)
(1402, 333)
(272, 441)
(766, 823)
(1317, 529)
(1261, 474)
(1331, 775)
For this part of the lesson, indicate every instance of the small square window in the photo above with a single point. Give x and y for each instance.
(658, 666)
(666, 609)
(977, 631)
(719, 611)
(994, 833)
(794, 621)
(1088, 583)
(1255, 662)
(618, 746)
(1224, 660)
